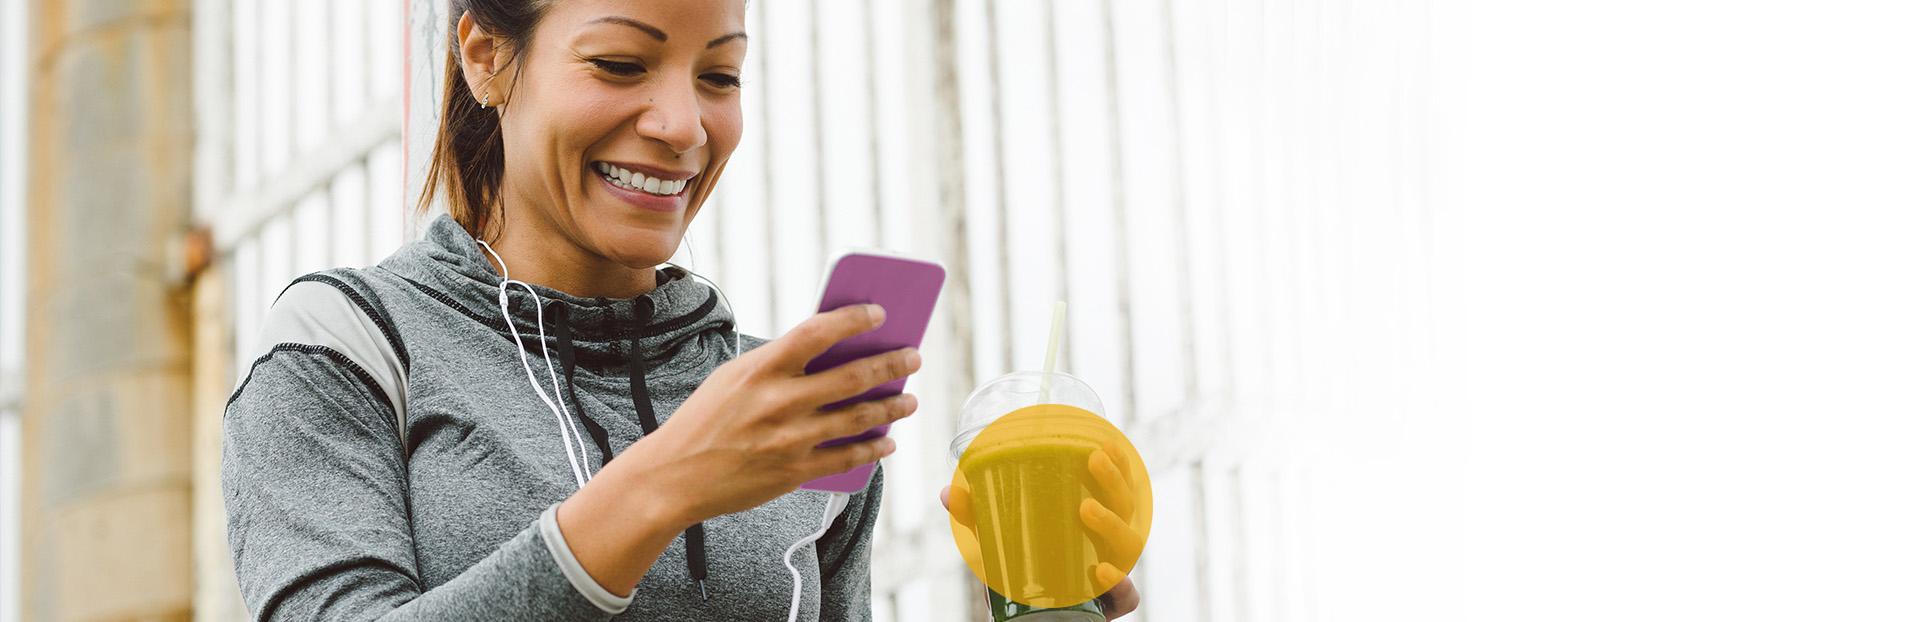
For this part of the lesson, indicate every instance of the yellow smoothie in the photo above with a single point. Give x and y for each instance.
(1027, 475)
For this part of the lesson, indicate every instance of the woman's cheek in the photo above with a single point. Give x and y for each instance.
(596, 113)
(725, 132)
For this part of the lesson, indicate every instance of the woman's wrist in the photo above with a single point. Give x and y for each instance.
(616, 527)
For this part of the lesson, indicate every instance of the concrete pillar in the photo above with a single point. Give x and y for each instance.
(105, 480)
(217, 597)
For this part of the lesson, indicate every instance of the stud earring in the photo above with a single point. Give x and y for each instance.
(484, 102)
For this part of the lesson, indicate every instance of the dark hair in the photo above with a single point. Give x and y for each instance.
(467, 165)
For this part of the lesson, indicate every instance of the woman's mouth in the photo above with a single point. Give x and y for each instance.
(658, 183)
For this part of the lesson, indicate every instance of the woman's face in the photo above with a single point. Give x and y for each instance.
(618, 120)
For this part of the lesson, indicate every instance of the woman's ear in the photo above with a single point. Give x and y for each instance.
(484, 55)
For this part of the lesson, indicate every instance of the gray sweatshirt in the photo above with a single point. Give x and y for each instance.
(385, 457)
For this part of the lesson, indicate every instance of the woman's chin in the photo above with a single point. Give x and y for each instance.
(638, 251)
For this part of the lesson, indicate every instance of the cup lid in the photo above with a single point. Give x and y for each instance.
(1013, 391)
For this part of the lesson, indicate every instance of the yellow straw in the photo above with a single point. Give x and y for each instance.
(1050, 354)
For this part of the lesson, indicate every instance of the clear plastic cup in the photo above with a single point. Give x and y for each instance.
(987, 404)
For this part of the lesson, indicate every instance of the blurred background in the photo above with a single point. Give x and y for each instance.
(1479, 310)
(1238, 262)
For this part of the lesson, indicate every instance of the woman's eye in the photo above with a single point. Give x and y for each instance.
(723, 80)
(617, 67)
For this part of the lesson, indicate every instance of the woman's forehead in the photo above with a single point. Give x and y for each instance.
(676, 22)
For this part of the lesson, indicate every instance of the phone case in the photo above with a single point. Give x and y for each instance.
(907, 288)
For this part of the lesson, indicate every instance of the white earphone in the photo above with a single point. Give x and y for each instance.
(572, 445)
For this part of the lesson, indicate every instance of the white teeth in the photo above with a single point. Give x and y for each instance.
(637, 181)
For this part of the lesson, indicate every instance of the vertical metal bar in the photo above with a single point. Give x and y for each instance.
(13, 104)
(425, 58)
(949, 222)
(821, 122)
(875, 105)
(1128, 411)
(1200, 517)
(768, 171)
(1237, 540)
(1055, 114)
(1186, 318)
(1000, 178)
(952, 210)
(213, 77)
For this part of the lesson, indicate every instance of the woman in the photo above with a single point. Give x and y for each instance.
(395, 454)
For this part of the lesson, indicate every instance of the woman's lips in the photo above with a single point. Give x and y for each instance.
(627, 191)
(645, 178)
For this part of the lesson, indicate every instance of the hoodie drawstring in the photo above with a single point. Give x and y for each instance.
(694, 552)
(566, 345)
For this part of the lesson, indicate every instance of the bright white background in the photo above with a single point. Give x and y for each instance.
(1679, 273)
(1692, 261)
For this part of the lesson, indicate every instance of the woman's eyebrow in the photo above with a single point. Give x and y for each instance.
(617, 19)
(657, 32)
(726, 38)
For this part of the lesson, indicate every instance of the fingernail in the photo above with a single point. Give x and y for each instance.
(875, 314)
(914, 358)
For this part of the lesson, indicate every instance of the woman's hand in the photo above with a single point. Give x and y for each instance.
(748, 434)
(1103, 518)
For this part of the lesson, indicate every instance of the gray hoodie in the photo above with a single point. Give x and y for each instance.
(385, 457)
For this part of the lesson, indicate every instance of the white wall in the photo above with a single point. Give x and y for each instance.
(1688, 258)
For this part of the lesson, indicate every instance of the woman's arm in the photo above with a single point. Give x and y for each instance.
(316, 493)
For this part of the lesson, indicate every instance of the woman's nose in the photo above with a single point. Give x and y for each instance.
(673, 117)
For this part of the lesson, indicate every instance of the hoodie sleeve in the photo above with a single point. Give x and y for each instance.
(843, 555)
(315, 486)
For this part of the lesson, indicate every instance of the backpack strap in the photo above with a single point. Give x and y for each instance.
(325, 310)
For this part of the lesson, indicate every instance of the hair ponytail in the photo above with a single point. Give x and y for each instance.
(467, 165)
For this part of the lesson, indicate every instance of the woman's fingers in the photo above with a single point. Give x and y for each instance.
(815, 335)
(1112, 489)
(858, 418)
(1122, 597)
(1120, 455)
(966, 537)
(853, 378)
(1114, 536)
(957, 501)
(832, 460)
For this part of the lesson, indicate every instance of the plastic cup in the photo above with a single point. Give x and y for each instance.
(1016, 458)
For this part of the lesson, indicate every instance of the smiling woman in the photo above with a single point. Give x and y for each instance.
(619, 129)
(384, 459)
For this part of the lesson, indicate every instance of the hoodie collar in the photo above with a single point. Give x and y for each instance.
(448, 265)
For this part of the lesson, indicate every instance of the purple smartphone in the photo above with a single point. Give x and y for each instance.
(907, 289)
